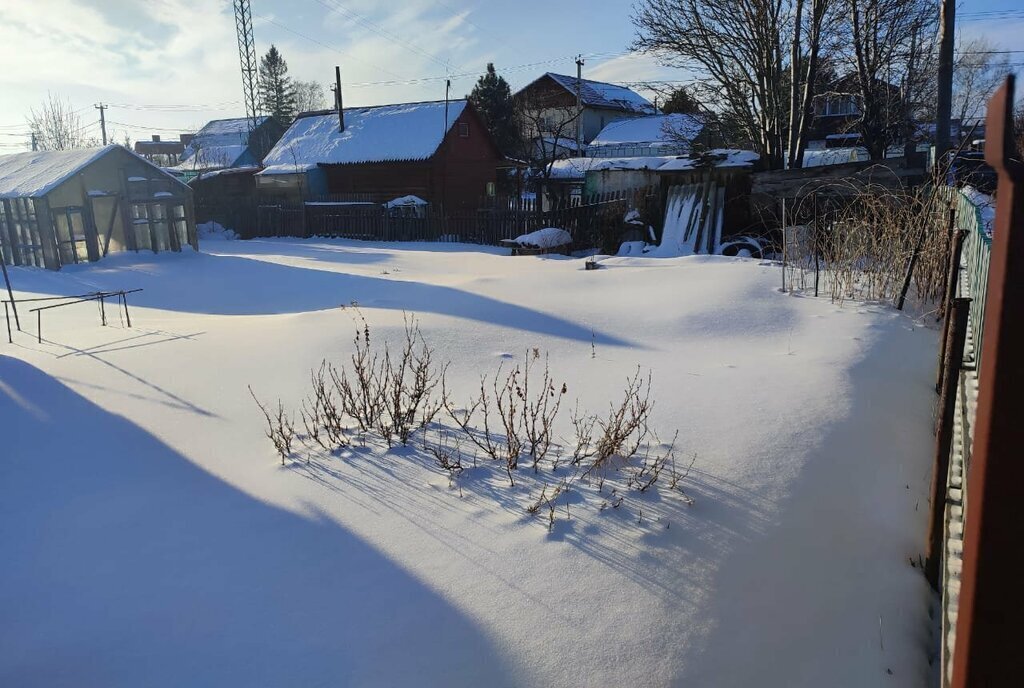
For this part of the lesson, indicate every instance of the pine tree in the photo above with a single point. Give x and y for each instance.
(681, 101)
(492, 98)
(277, 90)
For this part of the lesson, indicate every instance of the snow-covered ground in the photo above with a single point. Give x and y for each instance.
(151, 537)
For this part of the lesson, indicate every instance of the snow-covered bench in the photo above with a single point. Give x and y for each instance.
(539, 242)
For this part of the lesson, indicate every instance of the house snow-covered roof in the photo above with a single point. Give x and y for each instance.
(36, 173)
(221, 143)
(577, 168)
(649, 131)
(384, 133)
(600, 94)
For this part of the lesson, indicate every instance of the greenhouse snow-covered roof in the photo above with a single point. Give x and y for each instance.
(384, 133)
(649, 130)
(577, 168)
(35, 173)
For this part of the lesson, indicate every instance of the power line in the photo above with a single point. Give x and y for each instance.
(323, 45)
(336, 6)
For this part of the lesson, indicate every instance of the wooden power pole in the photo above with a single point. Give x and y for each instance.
(944, 103)
(103, 121)
(579, 104)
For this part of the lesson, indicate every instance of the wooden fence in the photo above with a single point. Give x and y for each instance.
(596, 222)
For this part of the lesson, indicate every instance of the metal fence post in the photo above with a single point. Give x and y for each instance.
(956, 337)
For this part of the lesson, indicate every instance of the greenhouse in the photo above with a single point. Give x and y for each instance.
(64, 207)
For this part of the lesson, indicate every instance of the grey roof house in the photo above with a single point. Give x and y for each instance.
(227, 143)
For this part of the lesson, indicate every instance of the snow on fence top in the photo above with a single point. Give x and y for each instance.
(649, 130)
(36, 173)
(384, 133)
(577, 168)
(604, 95)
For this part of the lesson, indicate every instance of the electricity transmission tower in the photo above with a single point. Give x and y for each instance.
(247, 58)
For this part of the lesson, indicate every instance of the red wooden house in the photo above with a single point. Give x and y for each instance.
(439, 151)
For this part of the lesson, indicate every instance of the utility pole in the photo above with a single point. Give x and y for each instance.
(337, 98)
(579, 103)
(103, 121)
(247, 60)
(944, 104)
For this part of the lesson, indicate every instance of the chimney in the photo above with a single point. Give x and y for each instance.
(156, 138)
(338, 103)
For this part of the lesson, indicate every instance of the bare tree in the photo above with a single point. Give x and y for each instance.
(739, 44)
(548, 126)
(57, 126)
(888, 40)
(978, 70)
(805, 59)
(309, 95)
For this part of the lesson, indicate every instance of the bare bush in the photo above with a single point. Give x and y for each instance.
(647, 473)
(539, 409)
(358, 388)
(862, 241)
(544, 499)
(448, 458)
(405, 383)
(280, 429)
(324, 411)
(496, 406)
(625, 429)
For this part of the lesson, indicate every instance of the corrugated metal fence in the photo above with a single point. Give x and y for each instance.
(972, 283)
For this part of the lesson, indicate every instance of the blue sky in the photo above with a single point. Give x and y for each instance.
(170, 65)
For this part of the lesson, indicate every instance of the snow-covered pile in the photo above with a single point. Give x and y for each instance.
(404, 201)
(214, 230)
(548, 237)
(151, 537)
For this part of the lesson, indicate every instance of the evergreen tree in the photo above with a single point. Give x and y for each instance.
(492, 98)
(277, 90)
(682, 102)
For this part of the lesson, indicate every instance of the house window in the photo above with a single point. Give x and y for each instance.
(464, 129)
(841, 105)
(490, 189)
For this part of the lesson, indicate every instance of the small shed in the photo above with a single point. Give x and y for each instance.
(64, 207)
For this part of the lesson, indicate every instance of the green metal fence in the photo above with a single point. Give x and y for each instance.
(977, 249)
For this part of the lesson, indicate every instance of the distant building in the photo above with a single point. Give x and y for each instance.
(439, 151)
(227, 143)
(163, 153)
(838, 112)
(551, 102)
(64, 207)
